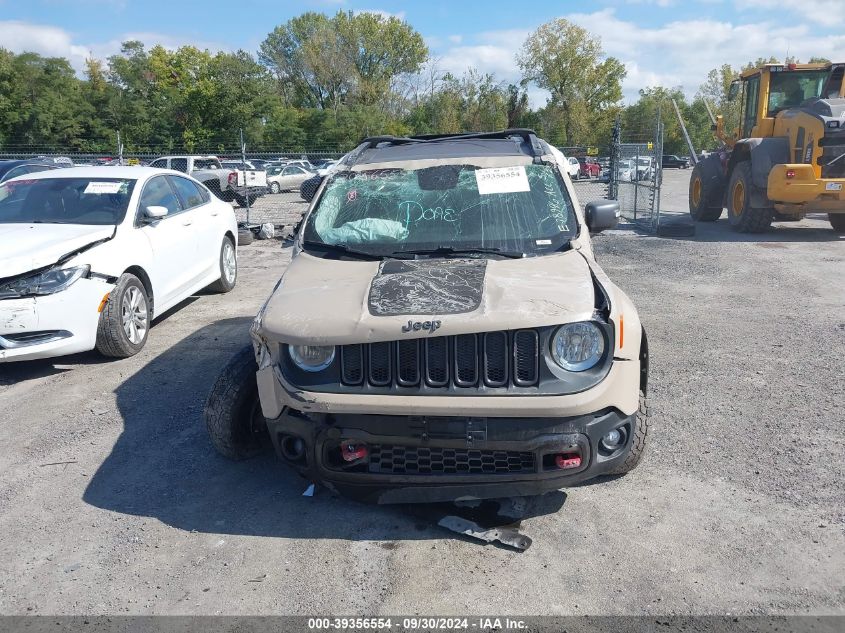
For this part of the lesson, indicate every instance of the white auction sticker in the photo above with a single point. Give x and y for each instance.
(834, 186)
(502, 180)
(103, 187)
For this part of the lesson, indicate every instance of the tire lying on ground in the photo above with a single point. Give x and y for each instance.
(706, 189)
(232, 412)
(245, 237)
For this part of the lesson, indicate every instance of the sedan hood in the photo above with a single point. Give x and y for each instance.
(325, 301)
(29, 247)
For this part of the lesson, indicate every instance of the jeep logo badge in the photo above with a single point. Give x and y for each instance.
(421, 325)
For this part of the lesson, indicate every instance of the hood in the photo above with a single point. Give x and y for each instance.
(32, 246)
(324, 301)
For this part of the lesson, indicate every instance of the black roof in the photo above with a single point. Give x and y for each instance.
(6, 165)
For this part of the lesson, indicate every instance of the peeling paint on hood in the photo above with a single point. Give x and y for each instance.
(325, 301)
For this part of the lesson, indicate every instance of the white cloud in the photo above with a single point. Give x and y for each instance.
(399, 15)
(53, 41)
(828, 12)
(456, 39)
(677, 53)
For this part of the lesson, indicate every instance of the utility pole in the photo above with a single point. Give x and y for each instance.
(119, 150)
(243, 166)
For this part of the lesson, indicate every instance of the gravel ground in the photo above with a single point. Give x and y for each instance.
(113, 501)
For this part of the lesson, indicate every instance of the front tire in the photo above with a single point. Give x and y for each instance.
(743, 217)
(837, 221)
(228, 267)
(125, 320)
(638, 442)
(274, 187)
(232, 412)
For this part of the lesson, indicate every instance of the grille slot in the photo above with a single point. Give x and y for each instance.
(380, 364)
(462, 361)
(424, 460)
(352, 364)
(525, 357)
(496, 359)
(408, 363)
(437, 361)
(466, 360)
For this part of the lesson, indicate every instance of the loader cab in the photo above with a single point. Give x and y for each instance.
(773, 88)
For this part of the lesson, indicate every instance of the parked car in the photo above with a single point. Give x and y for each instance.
(91, 255)
(13, 168)
(644, 168)
(626, 170)
(222, 182)
(238, 164)
(286, 178)
(468, 344)
(588, 168)
(573, 167)
(670, 160)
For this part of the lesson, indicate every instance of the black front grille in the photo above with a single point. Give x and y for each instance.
(420, 460)
(492, 359)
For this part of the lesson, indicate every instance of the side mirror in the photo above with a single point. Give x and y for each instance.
(155, 212)
(733, 91)
(602, 215)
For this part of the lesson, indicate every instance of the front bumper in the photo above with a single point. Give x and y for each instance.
(419, 459)
(52, 325)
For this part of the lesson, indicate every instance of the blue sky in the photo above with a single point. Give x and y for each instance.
(661, 42)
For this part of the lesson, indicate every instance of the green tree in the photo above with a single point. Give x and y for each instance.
(569, 62)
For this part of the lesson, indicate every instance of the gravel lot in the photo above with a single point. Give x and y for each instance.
(112, 500)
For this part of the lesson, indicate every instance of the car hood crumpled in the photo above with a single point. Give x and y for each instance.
(337, 302)
(29, 247)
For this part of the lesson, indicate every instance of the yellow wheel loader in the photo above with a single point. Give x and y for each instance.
(786, 159)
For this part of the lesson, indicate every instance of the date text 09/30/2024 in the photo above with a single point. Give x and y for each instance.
(414, 623)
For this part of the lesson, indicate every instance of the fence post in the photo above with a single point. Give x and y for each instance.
(615, 154)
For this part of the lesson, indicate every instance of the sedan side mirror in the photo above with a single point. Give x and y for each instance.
(155, 212)
(602, 215)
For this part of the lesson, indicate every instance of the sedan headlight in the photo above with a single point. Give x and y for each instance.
(578, 346)
(46, 283)
(311, 357)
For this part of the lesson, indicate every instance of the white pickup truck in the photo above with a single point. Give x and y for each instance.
(227, 184)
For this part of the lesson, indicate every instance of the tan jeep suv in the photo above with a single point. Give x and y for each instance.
(443, 331)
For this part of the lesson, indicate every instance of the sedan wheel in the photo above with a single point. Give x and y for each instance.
(274, 187)
(134, 315)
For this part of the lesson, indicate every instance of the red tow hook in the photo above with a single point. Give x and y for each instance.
(566, 461)
(352, 452)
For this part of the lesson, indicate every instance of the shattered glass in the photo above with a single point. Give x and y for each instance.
(521, 208)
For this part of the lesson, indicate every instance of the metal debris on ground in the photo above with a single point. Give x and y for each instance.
(309, 491)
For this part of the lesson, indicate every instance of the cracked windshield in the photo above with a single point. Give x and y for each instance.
(521, 208)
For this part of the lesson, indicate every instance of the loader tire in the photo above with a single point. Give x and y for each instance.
(837, 221)
(706, 188)
(743, 217)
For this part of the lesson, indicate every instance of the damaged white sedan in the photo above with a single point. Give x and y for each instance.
(91, 255)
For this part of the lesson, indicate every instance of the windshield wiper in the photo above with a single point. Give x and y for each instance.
(340, 248)
(449, 250)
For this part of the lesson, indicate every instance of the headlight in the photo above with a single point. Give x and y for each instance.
(578, 346)
(311, 357)
(46, 283)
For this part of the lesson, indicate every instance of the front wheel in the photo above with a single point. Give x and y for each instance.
(274, 187)
(705, 192)
(125, 319)
(232, 412)
(743, 217)
(228, 267)
(638, 441)
(837, 221)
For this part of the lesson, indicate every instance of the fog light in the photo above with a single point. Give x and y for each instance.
(611, 439)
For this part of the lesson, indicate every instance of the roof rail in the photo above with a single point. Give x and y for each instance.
(529, 136)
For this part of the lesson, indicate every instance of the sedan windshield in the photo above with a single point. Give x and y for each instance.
(447, 208)
(65, 200)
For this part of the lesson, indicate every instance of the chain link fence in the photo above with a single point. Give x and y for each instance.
(637, 173)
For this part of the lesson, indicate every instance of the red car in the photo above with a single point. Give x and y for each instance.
(590, 168)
